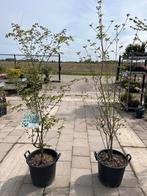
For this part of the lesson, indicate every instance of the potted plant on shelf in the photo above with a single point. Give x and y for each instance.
(140, 111)
(3, 102)
(35, 43)
(111, 162)
(134, 51)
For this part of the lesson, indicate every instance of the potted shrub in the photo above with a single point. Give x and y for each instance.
(140, 111)
(129, 100)
(111, 162)
(36, 42)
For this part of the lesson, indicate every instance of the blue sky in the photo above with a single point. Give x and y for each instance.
(74, 15)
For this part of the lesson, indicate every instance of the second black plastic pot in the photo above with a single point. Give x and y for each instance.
(42, 176)
(111, 176)
(140, 112)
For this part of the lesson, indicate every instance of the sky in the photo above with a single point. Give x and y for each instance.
(74, 15)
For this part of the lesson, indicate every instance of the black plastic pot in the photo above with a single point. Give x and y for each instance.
(111, 176)
(140, 112)
(42, 176)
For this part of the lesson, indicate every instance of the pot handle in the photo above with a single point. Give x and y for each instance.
(58, 156)
(26, 154)
(128, 157)
(96, 155)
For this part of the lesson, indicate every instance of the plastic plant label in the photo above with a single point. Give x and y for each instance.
(30, 121)
(2, 83)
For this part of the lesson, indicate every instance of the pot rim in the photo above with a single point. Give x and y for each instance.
(127, 160)
(36, 151)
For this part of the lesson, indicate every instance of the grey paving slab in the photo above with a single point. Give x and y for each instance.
(13, 170)
(61, 182)
(127, 137)
(80, 135)
(81, 162)
(30, 190)
(80, 151)
(4, 149)
(63, 168)
(80, 142)
(57, 191)
(66, 155)
(24, 139)
(130, 191)
(17, 132)
(81, 176)
(139, 164)
(64, 146)
(11, 139)
(77, 190)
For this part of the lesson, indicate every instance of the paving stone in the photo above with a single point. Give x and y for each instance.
(51, 142)
(65, 155)
(67, 131)
(7, 129)
(80, 135)
(130, 191)
(94, 133)
(4, 148)
(81, 162)
(129, 180)
(25, 139)
(30, 190)
(60, 182)
(17, 132)
(139, 163)
(77, 190)
(142, 135)
(2, 125)
(13, 170)
(81, 176)
(19, 127)
(66, 138)
(80, 142)
(11, 139)
(3, 135)
(27, 178)
(69, 125)
(11, 186)
(80, 151)
(64, 146)
(96, 146)
(63, 168)
(80, 130)
(57, 191)
(145, 142)
(94, 167)
(128, 138)
(91, 124)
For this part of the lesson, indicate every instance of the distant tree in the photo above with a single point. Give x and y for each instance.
(131, 48)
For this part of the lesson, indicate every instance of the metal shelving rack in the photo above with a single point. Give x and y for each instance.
(131, 60)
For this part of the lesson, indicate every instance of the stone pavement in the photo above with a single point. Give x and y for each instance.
(76, 173)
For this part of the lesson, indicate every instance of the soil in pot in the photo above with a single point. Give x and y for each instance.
(116, 161)
(39, 161)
